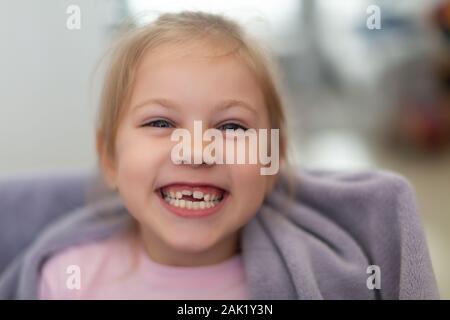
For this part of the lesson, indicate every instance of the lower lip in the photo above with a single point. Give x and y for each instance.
(189, 213)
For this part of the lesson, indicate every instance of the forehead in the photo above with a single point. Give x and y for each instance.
(195, 69)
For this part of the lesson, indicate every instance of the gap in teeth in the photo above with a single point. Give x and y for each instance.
(175, 199)
(196, 195)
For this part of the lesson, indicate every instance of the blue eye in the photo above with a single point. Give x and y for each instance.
(161, 123)
(231, 126)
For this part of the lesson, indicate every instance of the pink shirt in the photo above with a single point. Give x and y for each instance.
(108, 270)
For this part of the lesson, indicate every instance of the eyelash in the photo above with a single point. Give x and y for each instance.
(239, 126)
(166, 122)
(152, 123)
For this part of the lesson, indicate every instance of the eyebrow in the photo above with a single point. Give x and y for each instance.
(223, 105)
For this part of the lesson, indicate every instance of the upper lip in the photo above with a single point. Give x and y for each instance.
(191, 184)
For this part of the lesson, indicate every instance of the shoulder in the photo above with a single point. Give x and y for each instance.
(367, 218)
(366, 193)
(69, 273)
(347, 195)
(371, 205)
(362, 180)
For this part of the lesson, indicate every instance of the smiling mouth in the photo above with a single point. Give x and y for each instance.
(189, 198)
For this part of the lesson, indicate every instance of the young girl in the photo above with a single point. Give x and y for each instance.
(187, 230)
(182, 68)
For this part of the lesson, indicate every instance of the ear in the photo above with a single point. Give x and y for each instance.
(107, 165)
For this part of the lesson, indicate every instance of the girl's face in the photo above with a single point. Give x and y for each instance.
(172, 90)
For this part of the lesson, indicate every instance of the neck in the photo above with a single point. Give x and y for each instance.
(163, 254)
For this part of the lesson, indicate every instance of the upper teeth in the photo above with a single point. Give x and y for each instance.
(175, 198)
(196, 195)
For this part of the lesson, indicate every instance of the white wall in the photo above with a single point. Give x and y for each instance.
(47, 105)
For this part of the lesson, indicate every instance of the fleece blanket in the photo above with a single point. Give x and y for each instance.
(339, 235)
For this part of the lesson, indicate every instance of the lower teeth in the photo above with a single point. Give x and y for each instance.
(193, 205)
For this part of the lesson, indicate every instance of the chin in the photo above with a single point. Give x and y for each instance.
(191, 243)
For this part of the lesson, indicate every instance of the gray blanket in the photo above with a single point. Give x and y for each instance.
(318, 246)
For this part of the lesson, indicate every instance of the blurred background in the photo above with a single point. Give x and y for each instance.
(362, 92)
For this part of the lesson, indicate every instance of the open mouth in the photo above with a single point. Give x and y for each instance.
(187, 199)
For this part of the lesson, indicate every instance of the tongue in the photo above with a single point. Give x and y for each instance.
(190, 198)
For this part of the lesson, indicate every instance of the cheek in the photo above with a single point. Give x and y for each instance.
(139, 158)
(249, 187)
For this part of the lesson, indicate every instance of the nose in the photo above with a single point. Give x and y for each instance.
(196, 165)
(194, 156)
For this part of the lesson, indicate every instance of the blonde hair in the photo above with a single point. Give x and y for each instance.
(181, 28)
